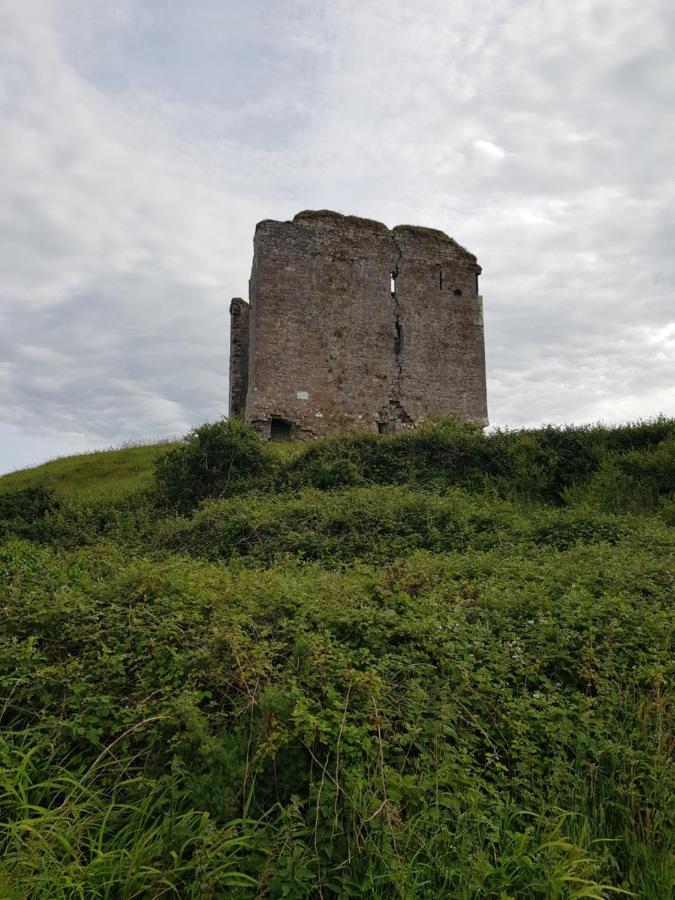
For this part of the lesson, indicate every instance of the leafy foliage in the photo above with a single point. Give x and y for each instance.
(378, 524)
(212, 461)
(373, 667)
(547, 465)
(20, 510)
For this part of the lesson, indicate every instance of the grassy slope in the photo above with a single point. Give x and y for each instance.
(112, 473)
(109, 473)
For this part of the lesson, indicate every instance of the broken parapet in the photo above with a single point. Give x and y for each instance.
(355, 326)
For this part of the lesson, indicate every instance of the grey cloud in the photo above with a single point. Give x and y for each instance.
(141, 146)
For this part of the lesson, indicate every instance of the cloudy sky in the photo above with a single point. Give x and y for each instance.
(141, 140)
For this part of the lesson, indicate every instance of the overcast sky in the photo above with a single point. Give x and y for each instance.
(141, 140)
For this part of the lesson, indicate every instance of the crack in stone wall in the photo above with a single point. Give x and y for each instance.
(331, 346)
(396, 412)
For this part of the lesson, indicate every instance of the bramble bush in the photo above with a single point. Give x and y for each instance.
(549, 465)
(592, 468)
(422, 727)
(377, 524)
(20, 510)
(213, 461)
(430, 664)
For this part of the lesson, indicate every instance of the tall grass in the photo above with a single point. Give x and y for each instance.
(98, 832)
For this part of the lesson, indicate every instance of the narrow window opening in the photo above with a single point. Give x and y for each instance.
(398, 340)
(280, 429)
(457, 292)
(381, 427)
(477, 283)
(393, 283)
(440, 279)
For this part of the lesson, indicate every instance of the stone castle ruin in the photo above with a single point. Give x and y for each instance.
(351, 325)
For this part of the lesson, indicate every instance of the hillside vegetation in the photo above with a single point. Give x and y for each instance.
(437, 664)
(104, 473)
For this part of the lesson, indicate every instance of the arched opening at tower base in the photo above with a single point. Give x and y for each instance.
(280, 429)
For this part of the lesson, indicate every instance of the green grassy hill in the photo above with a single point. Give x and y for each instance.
(437, 664)
(103, 473)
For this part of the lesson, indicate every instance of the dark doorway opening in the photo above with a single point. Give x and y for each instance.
(280, 429)
(386, 428)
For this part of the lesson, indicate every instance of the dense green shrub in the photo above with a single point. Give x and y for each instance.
(335, 473)
(481, 724)
(213, 461)
(22, 510)
(644, 435)
(549, 460)
(434, 664)
(578, 526)
(439, 453)
(379, 524)
(652, 473)
(40, 515)
(551, 465)
(129, 520)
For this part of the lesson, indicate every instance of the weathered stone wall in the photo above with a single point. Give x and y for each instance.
(442, 359)
(333, 347)
(322, 317)
(239, 337)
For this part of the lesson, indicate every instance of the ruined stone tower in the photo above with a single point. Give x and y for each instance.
(353, 326)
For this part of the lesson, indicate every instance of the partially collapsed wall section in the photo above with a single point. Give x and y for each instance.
(353, 326)
(239, 347)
